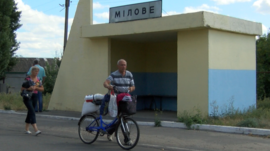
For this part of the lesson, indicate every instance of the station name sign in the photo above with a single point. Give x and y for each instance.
(136, 11)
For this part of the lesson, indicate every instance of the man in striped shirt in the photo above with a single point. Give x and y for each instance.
(122, 79)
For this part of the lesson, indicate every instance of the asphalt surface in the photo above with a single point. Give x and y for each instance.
(59, 134)
(145, 116)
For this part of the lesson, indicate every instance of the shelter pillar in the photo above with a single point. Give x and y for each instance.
(85, 65)
(192, 69)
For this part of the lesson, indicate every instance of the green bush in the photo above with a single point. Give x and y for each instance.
(7, 107)
(250, 122)
(263, 68)
(263, 104)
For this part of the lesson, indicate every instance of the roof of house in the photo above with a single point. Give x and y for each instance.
(24, 64)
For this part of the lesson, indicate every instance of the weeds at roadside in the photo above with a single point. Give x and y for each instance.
(252, 117)
(157, 118)
(15, 102)
(190, 119)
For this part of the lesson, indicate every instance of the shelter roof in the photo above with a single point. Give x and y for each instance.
(170, 25)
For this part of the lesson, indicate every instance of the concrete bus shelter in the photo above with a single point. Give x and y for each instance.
(195, 61)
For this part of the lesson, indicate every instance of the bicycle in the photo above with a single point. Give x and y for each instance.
(90, 127)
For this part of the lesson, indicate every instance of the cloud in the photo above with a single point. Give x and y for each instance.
(265, 30)
(170, 13)
(226, 2)
(203, 7)
(41, 35)
(97, 5)
(104, 15)
(262, 6)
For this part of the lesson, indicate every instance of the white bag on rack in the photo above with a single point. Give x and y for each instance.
(113, 109)
(89, 106)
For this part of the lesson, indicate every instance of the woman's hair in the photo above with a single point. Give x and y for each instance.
(34, 68)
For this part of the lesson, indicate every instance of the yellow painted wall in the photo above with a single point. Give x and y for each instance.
(192, 68)
(84, 67)
(231, 51)
(132, 52)
(145, 57)
(162, 57)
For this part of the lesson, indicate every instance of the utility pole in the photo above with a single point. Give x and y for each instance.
(66, 23)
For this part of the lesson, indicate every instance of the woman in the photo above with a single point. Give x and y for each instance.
(30, 103)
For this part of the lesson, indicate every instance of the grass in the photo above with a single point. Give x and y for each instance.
(15, 102)
(157, 118)
(252, 117)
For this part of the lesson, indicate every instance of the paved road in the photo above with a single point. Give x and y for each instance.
(60, 135)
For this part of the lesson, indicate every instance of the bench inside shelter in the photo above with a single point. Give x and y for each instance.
(156, 91)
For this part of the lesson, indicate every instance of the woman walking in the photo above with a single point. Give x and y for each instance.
(31, 102)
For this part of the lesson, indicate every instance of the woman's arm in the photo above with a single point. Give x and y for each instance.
(28, 89)
(41, 88)
(22, 88)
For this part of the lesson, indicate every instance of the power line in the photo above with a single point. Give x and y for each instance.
(51, 9)
(165, 12)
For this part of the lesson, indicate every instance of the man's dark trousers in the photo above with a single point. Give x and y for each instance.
(39, 105)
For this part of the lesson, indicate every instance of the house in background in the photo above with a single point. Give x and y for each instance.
(13, 80)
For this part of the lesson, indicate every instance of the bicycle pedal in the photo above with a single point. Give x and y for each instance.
(104, 132)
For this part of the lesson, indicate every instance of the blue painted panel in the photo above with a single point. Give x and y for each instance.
(140, 80)
(155, 83)
(231, 86)
(162, 84)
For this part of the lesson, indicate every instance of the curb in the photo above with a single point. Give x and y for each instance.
(205, 127)
(217, 128)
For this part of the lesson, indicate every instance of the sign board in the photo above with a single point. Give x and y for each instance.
(136, 11)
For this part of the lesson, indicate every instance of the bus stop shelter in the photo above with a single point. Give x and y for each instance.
(188, 61)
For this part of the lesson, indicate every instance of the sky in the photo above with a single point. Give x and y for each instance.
(42, 32)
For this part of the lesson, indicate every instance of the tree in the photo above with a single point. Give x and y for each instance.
(263, 66)
(9, 23)
(51, 71)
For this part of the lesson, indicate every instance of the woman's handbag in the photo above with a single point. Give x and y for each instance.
(26, 94)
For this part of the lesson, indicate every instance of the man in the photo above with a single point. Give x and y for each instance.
(41, 75)
(122, 79)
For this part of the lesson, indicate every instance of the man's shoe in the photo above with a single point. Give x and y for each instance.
(129, 143)
(109, 137)
(27, 132)
(38, 132)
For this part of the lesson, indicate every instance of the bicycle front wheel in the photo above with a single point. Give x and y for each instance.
(87, 130)
(127, 133)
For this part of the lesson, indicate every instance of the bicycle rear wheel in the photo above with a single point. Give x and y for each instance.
(128, 133)
(87, 133)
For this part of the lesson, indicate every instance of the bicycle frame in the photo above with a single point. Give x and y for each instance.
(101, 127)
